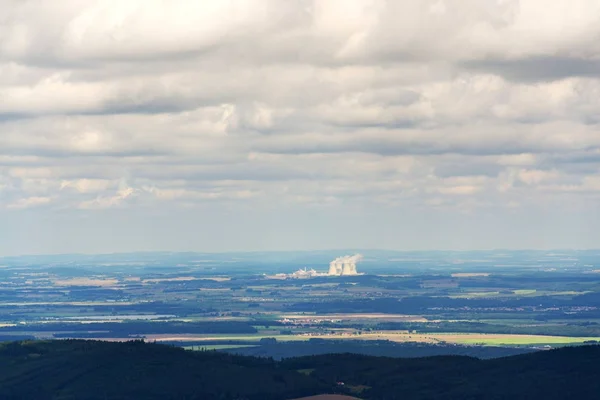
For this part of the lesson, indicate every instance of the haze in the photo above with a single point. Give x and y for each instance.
(274, 125)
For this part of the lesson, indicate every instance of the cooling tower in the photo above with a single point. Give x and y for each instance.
(349, 269)
(353, 272)
(333, 268)
(346, 268)
(345, 265)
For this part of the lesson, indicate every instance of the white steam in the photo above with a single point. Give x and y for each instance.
(345, 265)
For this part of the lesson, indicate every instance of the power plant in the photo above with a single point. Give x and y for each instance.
(343, 266)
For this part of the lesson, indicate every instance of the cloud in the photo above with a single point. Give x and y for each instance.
(115, 200)
(455, 105)
(539, 69)
(29, 202)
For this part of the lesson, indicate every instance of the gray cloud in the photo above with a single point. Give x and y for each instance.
(538, 69)
(361, 108)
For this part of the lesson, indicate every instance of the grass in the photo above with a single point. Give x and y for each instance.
(568, 293)
(517, 292)
(397, 336)
(509, 340)
(218, 346)
(524, 292)
(224, 337)
(306, 371)
(357, 389)
(357, 316)
(470, 295)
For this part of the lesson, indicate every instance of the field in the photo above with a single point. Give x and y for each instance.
(398, 337)
(218, 346)
(510, 340)
(223, 301)
(355, 317)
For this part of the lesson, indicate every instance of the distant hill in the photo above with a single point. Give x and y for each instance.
(279, 350)
(92, 370)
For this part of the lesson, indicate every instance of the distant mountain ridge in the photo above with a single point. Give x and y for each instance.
(93, 370)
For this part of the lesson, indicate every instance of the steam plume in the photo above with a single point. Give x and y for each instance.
(345, 265)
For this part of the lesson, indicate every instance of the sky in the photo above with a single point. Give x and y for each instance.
(302, 124)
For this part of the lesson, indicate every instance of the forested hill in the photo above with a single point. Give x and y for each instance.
(77, 369)
(567, 373)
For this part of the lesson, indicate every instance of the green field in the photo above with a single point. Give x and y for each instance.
(510, 340)
(218, 346)
(516, 293)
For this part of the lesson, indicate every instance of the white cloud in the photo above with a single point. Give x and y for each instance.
(29, 202)
(87, 185)
(101, 202)
(454, 105)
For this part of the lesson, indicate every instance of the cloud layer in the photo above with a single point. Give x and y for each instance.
(448, 106)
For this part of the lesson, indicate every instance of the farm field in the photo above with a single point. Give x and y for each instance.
(510, 340)
(399, 337)
(219, 346)
(356, 316)
(478, 299)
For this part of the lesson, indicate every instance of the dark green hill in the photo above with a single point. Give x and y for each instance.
(77, 369)
(567, 373)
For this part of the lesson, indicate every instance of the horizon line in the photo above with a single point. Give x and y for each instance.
(116, 253)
